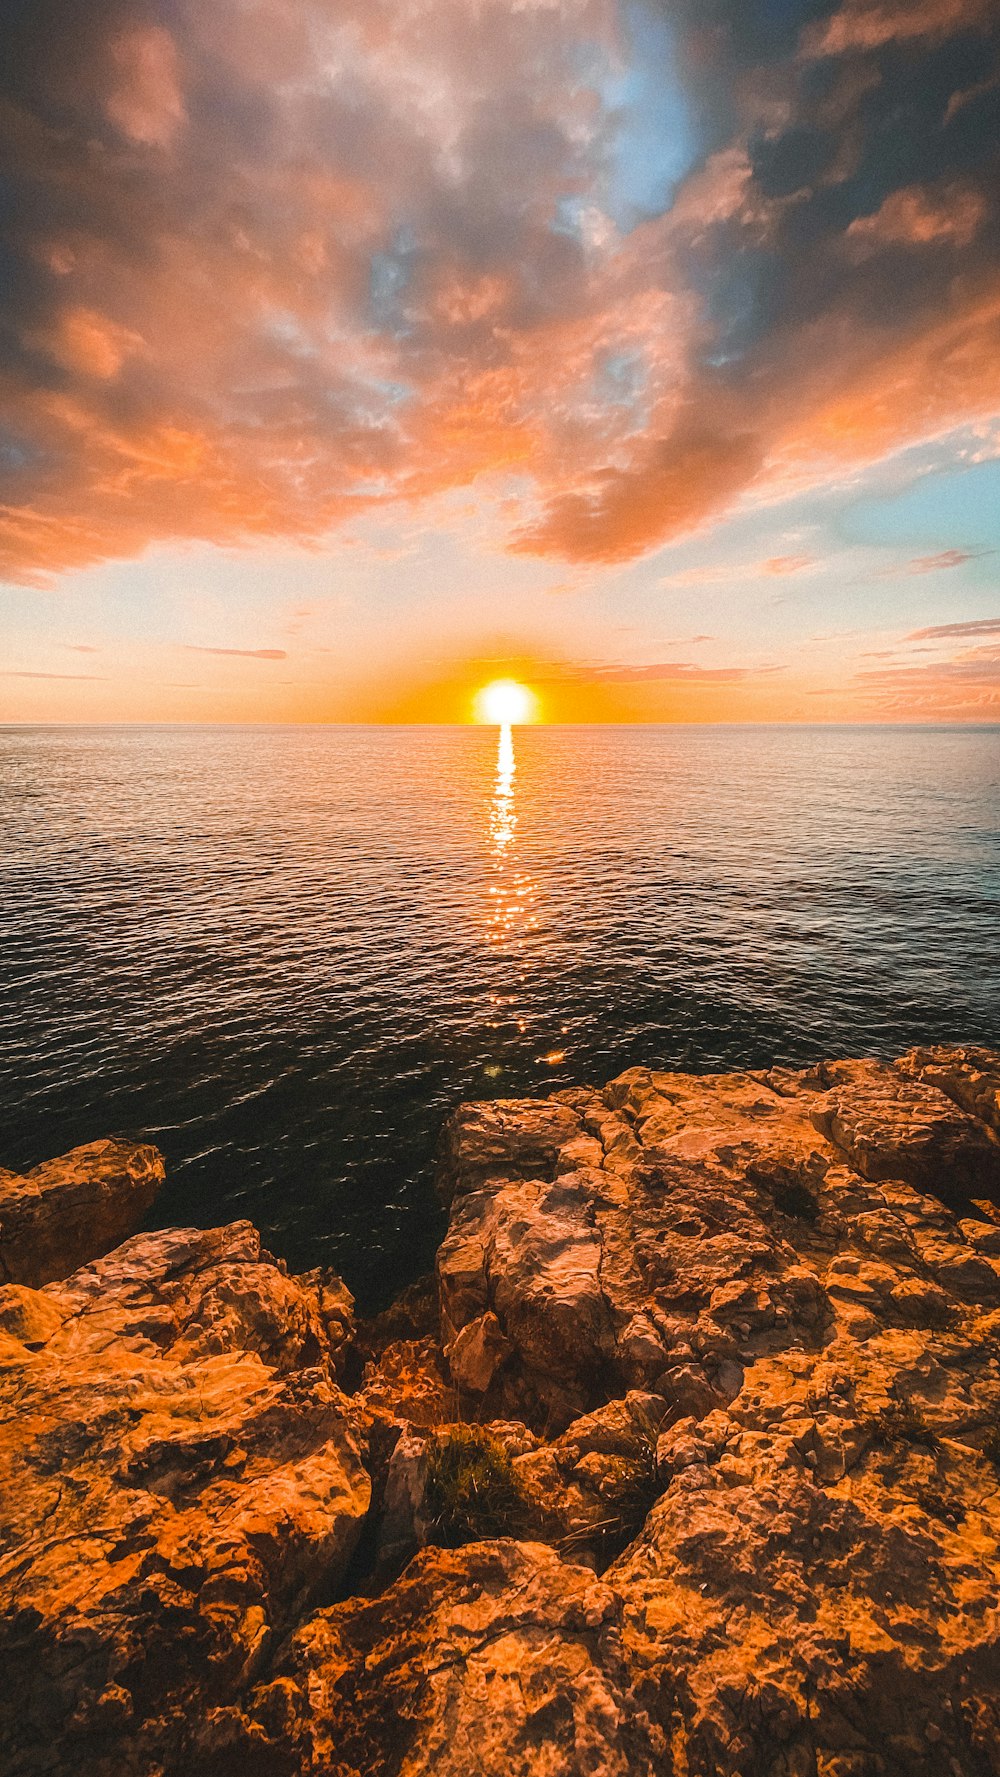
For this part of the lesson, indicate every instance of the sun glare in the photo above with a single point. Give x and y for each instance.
(505, 702)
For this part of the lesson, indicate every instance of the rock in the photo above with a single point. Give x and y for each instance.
(497, 1659)
(477, 1353)
(813, 1592)
(893, 1125)
(511, 1138)
(178, 1477)
(71, 1210)
(404, 1524)
(584, 1273)
(971, 1077)
(815, 1583)
(732, 1342)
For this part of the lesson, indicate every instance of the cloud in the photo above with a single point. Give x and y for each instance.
(947, 558)
(269, 268)
(731, 573)
(873, 24)
(979, 626)
(625, 511)
(964, 688)
(787, 564)
(10, 673)
(669, 671)
(239, 653)
(915, 217)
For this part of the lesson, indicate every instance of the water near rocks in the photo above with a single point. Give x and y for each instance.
(284, 954)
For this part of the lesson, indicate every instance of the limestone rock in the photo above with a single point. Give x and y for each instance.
(585, 1274)
(64, 1213)
(815, 1587)
(477, 1353)
(178, 1477)
(893, 1125)
(818, 1588)
(971, 1077)
(497, 1659)
(511, 1138)
(734, 1345)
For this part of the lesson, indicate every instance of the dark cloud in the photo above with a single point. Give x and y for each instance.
(263, 267)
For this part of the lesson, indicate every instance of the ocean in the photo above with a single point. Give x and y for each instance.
(284, 953)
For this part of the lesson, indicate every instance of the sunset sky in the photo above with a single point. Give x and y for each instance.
(355, 352)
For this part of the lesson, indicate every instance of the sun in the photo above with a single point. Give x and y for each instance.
(504, 702)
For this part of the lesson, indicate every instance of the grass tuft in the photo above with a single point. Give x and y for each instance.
(472, 1488)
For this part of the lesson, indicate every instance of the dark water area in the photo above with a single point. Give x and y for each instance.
(284, 954)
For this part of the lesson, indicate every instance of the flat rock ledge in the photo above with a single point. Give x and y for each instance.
(685, 1464)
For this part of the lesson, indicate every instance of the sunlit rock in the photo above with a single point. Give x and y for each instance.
(729, 1499)
(67, 1211)
(178, 1477)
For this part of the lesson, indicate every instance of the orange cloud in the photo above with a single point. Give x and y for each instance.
(670, 489)
(915, 217)
(145, 101)
(239, 653)
(275, 266)
(870, 24)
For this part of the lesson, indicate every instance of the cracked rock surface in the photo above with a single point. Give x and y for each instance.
(729, 1347)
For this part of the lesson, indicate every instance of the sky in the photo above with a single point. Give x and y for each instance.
(355, 352)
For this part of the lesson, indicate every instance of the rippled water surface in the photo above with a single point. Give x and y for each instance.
(283, 954)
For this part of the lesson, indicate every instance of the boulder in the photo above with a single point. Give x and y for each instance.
(896, 1125)
(68, 1211)
(511, 1138)
(970, 1077)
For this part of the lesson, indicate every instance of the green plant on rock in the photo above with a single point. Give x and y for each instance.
(472, 1488)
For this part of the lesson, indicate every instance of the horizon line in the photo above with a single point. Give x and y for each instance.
(125, 722)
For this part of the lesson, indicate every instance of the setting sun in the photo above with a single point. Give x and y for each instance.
(504, 702)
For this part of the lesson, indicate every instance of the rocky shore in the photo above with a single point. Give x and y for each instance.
(685, 1464)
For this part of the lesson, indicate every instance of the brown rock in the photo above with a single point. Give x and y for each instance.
(477, 1353)
(511, 1138)
(71, 1210)
(497, 1659)
(715, 1353)
(177, 1478)
(894, 1126)
(971, 1077)
(584, 1273)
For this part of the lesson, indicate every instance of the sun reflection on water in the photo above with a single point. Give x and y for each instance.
(513, 922)
(512, 892)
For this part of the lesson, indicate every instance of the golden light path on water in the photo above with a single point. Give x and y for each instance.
(513, 892)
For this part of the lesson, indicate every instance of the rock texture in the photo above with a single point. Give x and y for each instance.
(68, 1211)
(730, 1351)
(178, 1478)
